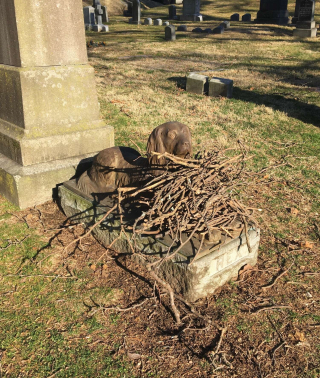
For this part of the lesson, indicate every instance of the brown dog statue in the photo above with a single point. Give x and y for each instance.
(123, 166)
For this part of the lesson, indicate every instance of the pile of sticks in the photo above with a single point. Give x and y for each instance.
(194, 197)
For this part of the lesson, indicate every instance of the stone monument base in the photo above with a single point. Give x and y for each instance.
(191, 273)
(305, 33)
(305, 29)
(35, 184)
(191, 17)
(272, 17)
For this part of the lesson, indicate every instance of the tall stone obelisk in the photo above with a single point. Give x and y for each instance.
(49, 110)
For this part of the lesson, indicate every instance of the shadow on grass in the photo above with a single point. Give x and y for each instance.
(306, 113)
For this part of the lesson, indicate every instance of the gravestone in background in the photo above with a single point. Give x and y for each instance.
(191, 11)
(273, 12)
(306, 26)
(49, 110)
(296, 12)
(136, 12)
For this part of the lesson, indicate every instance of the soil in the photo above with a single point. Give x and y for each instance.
(263, 324)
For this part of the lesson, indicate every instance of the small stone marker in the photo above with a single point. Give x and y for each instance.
(87, 11)
(170, 33)
(199, 18)
(158, 22)
(208, 30)
(218, 30)
(225, 24)
(306, 26)
(136, 12)
(166, 23)
(220, 87)
(235, 17)
(197, 83)
(246, 17)
(197, 30)
(172, 12)
(148, 21)
(182, 28)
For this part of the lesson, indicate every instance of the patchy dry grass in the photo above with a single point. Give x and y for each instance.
(50, 326)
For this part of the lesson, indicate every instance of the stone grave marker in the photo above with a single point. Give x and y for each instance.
(158, 22)
(235, 17)
(148, 21)
(306, 26)
(182, 28)
(172, 12)
(296, 13)
(194, 272)
(170, 33)
(273, 12)
(191, 10)
(218, 30)
(49, 110)
(136, 12)
(246, 17)
(166, 23)
(225, 24)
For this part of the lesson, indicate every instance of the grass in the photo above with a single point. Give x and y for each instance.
(49, 325)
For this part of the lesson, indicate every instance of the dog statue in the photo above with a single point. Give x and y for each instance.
(117, 167)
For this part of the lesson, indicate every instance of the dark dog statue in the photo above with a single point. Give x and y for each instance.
(123, 166)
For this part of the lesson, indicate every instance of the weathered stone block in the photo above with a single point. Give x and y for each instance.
(305, 33)
(191, 273)
(29, 33)
(32, 185)
(220, 87)
(158, 22)
(197, 83)
(148, 21)
(166, 23)
(25, 94)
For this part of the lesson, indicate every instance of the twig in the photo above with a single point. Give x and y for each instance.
(92, 227)
(223, 331)
(280, 307)
(275, 281)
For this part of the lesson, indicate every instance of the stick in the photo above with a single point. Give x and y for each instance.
(92, 227)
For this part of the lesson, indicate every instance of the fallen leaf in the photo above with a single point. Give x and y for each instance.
(93, 267)
(306, 244)
(134, 356)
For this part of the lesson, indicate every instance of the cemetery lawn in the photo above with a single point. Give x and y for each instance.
(59, 312)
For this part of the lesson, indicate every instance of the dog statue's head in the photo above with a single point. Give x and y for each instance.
(171, 137)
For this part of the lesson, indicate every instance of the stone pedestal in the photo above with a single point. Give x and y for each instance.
(192, 272)
(191, 11)
(273, 12)
(306, 26)
(49, 111)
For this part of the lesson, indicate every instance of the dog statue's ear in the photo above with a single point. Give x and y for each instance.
(155, 144)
